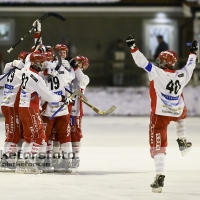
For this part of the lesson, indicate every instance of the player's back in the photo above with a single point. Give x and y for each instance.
(11, 88)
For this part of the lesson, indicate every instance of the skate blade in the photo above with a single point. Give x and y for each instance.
(75, 170)
(19, 171)
(2, 169)
(28, 171)
(157, 190)
(51, 170)
(62, 170)
(184, 152)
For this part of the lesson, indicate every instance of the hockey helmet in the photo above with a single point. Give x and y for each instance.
(166, 59)
(83, 60)
(37, 60)
(22, 55)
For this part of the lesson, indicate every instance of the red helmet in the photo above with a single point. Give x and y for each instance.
(22, 55)
(37, 59)
(62, 47)
(83, 60)
(49, 55)
(167, 59)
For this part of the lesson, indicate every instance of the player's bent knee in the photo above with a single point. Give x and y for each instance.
(154, 151)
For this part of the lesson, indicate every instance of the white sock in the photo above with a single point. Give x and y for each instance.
(10, 147)
(67, 150)
(34, 149)
(42, 150)
(181, 129)
(50, 148)
(56, 149)
(5, 147)
(25, 151)
(76, 149)
(159, 161)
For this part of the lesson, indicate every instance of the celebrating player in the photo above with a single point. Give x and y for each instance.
(80, 64)
(60, 123)
(9, 107)
(29, 112)
(167, 103)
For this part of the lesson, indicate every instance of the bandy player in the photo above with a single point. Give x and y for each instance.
(167, 102)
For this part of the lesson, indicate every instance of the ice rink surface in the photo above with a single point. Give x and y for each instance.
(115, 165)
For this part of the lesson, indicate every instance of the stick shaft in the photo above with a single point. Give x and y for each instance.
(7, 73)
(40, 19)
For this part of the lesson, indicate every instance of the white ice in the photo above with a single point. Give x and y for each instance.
(115, 165)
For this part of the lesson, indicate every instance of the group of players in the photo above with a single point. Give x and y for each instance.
(39, 83)
(35, 87)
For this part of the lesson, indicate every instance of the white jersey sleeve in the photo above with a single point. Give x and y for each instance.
(8, 67)
(166, 86)
(82, 79)
(27, 62)
(80, 83)
(32, 83)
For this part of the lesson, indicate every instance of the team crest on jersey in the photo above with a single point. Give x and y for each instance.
(34, 78)
(181, 75)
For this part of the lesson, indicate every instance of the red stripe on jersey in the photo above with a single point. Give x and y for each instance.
(35, 102)
(33, 70)
(81, 105)
(37, 35)
(170, 70)
(134, 50)
(44, 106)
(153, 97)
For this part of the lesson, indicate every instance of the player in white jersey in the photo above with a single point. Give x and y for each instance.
(29, 112)
(9, 107)
(53, 143)
(79, 83)
(167, 103)
(60, 122)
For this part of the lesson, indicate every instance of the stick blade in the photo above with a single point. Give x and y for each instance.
(107, 112)
(56, 15)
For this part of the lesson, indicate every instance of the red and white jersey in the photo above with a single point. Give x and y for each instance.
(11, 84)
(79, 83)
(166, 86)
(33, 87)
(57, 85)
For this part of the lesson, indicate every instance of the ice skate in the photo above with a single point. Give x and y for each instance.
(64, 165)
(31, 167)
(75, 164)
(7, 164)
(158, 183)
(48, 166)
(184, 146)
(20, 166)
(40, 163)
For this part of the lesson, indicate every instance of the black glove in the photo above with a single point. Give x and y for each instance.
(72, 62)
(130, 41)
(65, 100)
(194, 47)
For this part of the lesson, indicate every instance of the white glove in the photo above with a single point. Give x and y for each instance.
(52, 72)
(37, 26)
(18, 64)
(66, 64)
